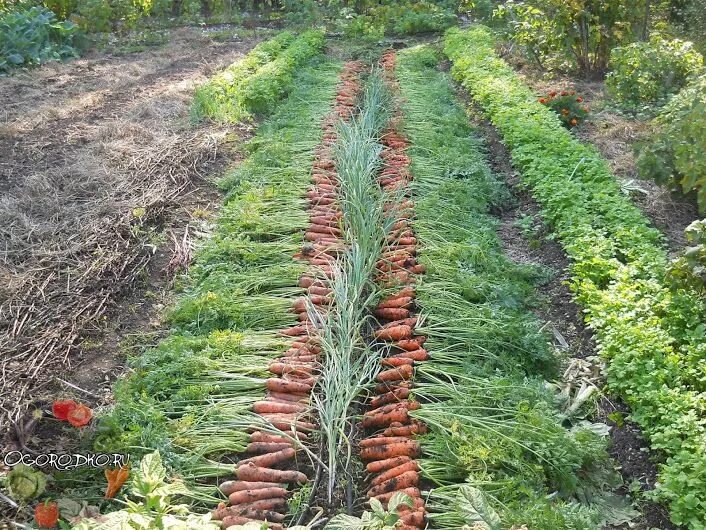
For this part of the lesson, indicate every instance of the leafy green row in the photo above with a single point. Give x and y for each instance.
(652, 337)
(496, 431)
(255, 83)
(190, 397)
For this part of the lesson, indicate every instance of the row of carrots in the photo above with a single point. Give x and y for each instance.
(391, 451)
(259, 492)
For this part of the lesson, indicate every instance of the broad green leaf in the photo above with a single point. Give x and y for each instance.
(475, 509)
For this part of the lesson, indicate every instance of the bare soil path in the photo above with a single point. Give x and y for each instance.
(102, 190)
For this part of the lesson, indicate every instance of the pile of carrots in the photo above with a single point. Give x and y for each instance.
(260, 492)
(391, 450)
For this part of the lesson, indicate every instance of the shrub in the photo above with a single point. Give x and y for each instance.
(400, 18)
(570, 108)
(32, 36)
(676, 155)
(647, 73)
(689, 270)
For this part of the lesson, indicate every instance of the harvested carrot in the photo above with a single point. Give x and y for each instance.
(412, 321)
(407, 241)
(392, 313)
(396, 374)
(385, 451)
(417, 355)
(395, 333)
(259, 436)
(281, 385)
(396, 361)
(418, 269)
(283, 423)
(382, 465)
(400, 301)
(384, 419)
(395, 471)
(415, 519)
(290, 368)
(267, 447)
(294, 331)
(411, 344)
(406, 404)
(408, 479)
(414, 493)
(390, 397)
(240, 497)
(230, 486)
(294, 398)
(406, 430)
(270, 459)
(264, 515)
(381, 440)
(388, 387)
(251, 472)
(319, 291)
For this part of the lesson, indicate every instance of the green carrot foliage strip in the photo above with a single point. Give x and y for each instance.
(496, 438)
(190, 397)
(653, 337)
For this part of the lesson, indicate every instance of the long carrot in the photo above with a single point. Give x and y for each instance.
(383, 420)
(415, 519)
(405, 404)
(294, 331)
(383, 452)
(393, 396)
(267, 447)
(396, 374)
(259, 436)
(285, 396)
(251, 472)
(414, 493)
(319, 291)
(394, 472)
(417, 355)
(270, 459)
(400, 301)
(231, 486)
(411, 321)
(392, 313)
(281, 385)
(406, 430)
(240, 497)
(408, 479)
(396, 361)
(395, 333)
(388, 387)
(411, 344)
(378, 466)
(264, 515)
(286, 424)
(381, 440)
(290, 368)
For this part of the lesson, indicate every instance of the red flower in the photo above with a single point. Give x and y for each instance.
(579, 99)
(573, 92)
(46, 514)
(80, 416)
(564, 93)
(61, 408)
(552, 94)
(542, 100)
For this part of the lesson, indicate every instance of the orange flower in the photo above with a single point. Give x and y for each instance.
(79, 415)
(574, 121)
(61, 408)
(579, 99)
(565, 112)
(116, 478)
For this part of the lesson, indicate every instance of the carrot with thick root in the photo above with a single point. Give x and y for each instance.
(414, 519)
(266, 447)
(381, 440)
(259, 436)
(241, 497)
(411, 344)
(231, 486)
(260, 407)
(393, 385)
(378, 466)
(287, 387)
(396, 374)
(252, 473)
(287, 422)
(383, 452)
(400, 302)
(294, 398)
(392, 313)
(395, 361)
(264, 515)
(408, 404)
(290, 368)
(416, 355)
(384, 419)
(414, 493)
(395, 333)
(270, 459)
(394, 472)
(394, 396)
(412, 429)
(408, 479)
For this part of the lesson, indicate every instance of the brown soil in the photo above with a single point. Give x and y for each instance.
(102, 191)
(563, 318)
(616, 136)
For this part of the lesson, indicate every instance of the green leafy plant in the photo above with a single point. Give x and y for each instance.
(32, 35)
(569, 107)
(647, 73)
(689, 270)
(676, 154)
(376, 519)
(650, 335)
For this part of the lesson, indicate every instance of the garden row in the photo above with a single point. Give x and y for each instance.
(254, 84)
(652, 336)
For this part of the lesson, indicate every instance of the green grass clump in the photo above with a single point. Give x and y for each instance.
(257, 82)
(190, 396)
(494, 424)
(651, 336)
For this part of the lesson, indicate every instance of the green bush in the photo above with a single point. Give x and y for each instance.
(676, 155)
(690, 268)
(399, 18)
(647, 73)
(652, 336)
(33, 35)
